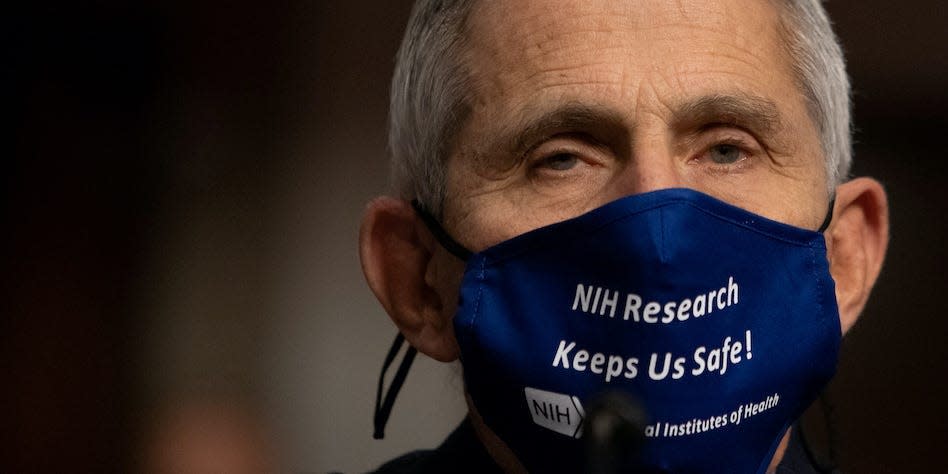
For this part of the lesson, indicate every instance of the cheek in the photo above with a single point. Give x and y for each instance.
(804, 189)
(488, 219)
(474, 211)
(798, 202)
(484, 228)
(481, 211)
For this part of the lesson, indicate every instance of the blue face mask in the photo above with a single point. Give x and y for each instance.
(720, 324)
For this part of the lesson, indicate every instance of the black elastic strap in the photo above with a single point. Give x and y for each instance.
(440, 234)
(829, 216)
(830, 465)
(384, 409)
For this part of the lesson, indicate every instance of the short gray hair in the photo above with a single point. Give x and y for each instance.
(820, 69)
(429, 98)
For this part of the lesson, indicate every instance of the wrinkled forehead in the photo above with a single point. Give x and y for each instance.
(521, 53)
(523, 32)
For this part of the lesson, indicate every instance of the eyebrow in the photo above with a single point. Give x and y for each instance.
(598, 121)
(757, 114)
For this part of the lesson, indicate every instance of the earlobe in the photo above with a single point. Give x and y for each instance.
(397, 256)
(856, 244)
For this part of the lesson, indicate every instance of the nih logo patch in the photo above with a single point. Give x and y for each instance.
(555, 411)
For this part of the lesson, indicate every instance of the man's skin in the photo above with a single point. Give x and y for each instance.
(577, 103)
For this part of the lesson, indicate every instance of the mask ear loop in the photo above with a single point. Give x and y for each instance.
(383, 409)
(829, 465)
(440, 234)
(829, 216)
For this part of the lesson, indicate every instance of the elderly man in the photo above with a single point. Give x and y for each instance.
(639, 208)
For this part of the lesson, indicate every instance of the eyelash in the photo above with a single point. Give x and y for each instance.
(747, 147)
(540, 168)
(747, 150)
(561, 145)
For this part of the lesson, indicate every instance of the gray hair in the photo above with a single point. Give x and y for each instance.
(820, 69)
(429, 92)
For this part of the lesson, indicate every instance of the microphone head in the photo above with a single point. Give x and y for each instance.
(614, 433)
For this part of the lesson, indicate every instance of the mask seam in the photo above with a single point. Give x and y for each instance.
(822, 299)
(596, 229)
(819, 282)
(480, 291)
(811, 245)
(661, 220)
(821, 296)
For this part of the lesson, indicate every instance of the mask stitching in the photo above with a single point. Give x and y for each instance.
(480, 291)
(812, 243)
(821, 297)
(819, 282)
(661, 223)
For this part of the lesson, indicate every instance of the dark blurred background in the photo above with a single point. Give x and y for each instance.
(182, 202)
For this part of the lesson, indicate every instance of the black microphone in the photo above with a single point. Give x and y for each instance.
(614, 433)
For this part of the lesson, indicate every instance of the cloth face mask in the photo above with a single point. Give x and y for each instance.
(721, 324)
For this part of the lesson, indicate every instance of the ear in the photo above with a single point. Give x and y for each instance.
(856, 244)
(399, 263)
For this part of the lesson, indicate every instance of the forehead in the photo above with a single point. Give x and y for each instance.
(640, 56)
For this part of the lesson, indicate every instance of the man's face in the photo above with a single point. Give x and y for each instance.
(577, 103)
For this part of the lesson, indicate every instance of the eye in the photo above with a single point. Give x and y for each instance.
(565, 159)
(725, 154)
(560, 162)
